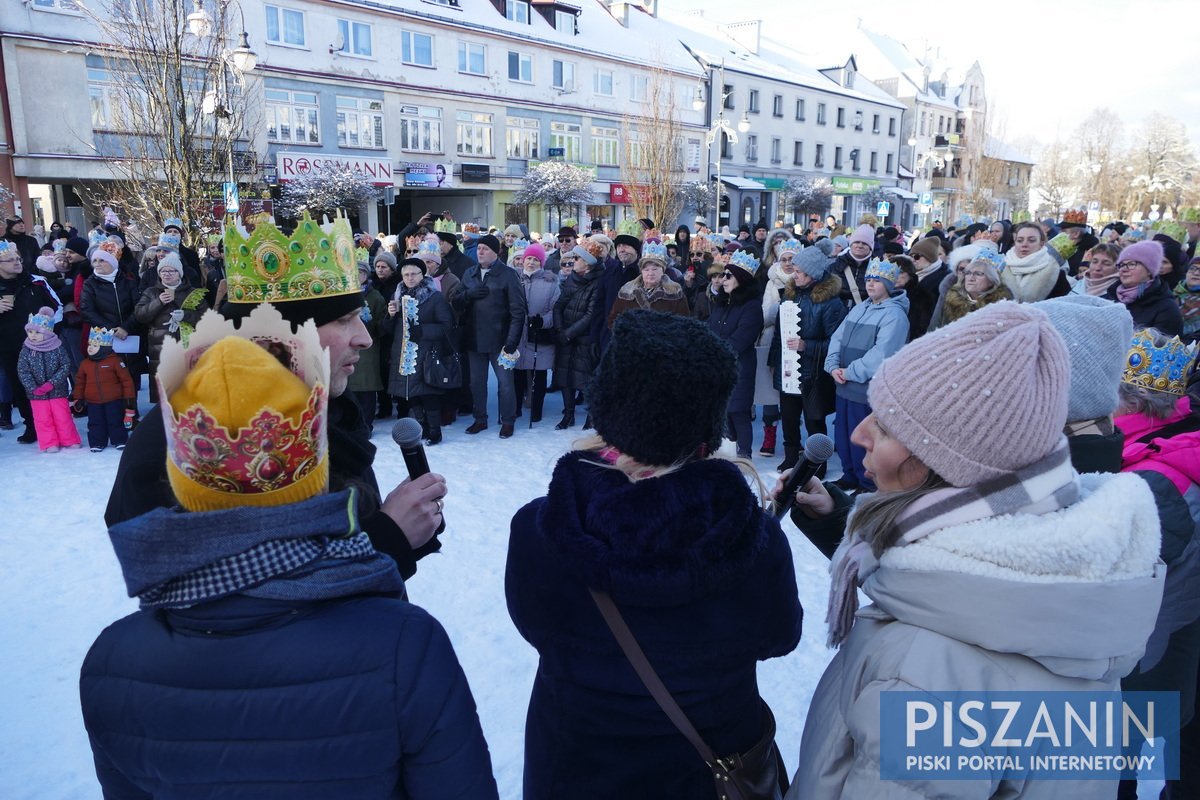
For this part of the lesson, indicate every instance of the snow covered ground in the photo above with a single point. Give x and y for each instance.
(60, 586)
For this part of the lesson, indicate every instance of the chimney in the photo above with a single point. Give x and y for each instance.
(620, 11)
(747, 34)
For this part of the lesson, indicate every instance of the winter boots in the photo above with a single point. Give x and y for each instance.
(6, 423)
(768, 445)
(791, 457)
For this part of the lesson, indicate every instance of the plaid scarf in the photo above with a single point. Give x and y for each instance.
(1042, 487)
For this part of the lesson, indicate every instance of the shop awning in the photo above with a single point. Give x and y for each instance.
(743, 184)
(903, 194)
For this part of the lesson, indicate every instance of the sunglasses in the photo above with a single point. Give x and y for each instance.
(726, 274)
(918, 257)
(411, 252)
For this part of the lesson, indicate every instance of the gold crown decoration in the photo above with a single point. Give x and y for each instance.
(270, 266)
(1162, 369)
(275, 457)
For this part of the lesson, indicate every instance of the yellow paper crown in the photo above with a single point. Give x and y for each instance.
(1163, 369)
(270, 266)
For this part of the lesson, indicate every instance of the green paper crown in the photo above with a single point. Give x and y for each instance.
(445, 226)
(1189, 215)
(630, 227)
(268, 266)
(1171, 228)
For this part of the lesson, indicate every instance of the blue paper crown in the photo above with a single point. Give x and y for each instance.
(745, 260)
(883, 270)
(6, 245)
(42, 321)
(654, 251)
(172, 222)
(1162, 369)
(992, 257)
(791, 246)
(519, 244)
(102, 337)
(429, 249)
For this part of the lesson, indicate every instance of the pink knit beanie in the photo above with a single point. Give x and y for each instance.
(865, 234)
(980, 398)
(535, 250)
(1148, 254)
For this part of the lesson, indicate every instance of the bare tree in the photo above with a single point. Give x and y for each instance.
(1098, 150)
(1164, 164)
(174, 110)
(699, 195)
(1055, 177)
(652, 162)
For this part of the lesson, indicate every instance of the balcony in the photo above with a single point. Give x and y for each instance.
(953, 141)
(941, 183)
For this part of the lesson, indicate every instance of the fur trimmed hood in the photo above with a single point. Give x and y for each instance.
(958, 304)
(668, 288)
(661, 541)
(824, 290)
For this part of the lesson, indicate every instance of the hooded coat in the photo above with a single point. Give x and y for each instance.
(821, 312)
(870, 333)
(577, 352)
(737, 318)
(704, 580)
(990, 605)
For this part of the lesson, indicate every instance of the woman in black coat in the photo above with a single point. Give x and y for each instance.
(1147, 296)
(575, 314)
(737, 317)
(412, 344)
(645, 512)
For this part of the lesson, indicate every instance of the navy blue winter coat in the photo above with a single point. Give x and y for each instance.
(738, 319)
(353, 696)
(704, 580)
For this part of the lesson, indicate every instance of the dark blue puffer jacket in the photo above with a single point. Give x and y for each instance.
(356, 696)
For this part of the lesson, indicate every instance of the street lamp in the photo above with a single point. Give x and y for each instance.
(720, 126)
(240, 60)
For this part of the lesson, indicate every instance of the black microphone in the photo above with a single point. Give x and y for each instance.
(817, 451)
(407, 433)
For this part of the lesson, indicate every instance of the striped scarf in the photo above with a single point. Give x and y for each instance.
(1042, 487)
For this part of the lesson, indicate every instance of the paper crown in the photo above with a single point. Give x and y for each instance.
(792, 246)
(429, 249)
(101, 337)
(269, 266)
(413, 242)
(172, 222)
(114, 245)
(470, 227)
(1162, 369)
(445, 226)
(6, 245)
(519, 246)
(1075, 217)
(1169, 227)
(41, 320)
(1063, 244)
(745, 260)
(273, 451)
(1189, 215)
(630, 227)
(883, 270)
(655, 251)
(700, 244)
(992, 257)
(169, 240)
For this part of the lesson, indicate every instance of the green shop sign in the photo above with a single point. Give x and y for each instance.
(774, 184)
(853, 185)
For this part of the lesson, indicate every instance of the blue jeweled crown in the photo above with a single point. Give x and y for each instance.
(790, 246)
(519, 246)
(992, 257)
(883, 270)
(1163, 369)
(429, 249)
(655, 251)
(745, 260)
(101, 337)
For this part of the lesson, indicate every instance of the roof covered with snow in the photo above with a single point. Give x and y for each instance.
(1003, 151)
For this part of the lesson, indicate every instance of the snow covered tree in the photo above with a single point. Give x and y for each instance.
(324, 193)
(698, 195)
(556, 185)
(807, 196)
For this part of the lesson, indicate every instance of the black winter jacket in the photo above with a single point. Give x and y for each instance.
(1156, 308)
(821, 311)
(111, 305)
(574, 317)
(435, 321)
(492, 322)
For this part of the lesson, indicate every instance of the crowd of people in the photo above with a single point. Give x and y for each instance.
(1013, 415)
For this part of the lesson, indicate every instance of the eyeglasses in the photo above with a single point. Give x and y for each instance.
(974, 273)
(1129, 264)
(1194, 268)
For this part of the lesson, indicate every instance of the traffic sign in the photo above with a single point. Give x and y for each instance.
(926, 198)
(231, 197)
(882, 208)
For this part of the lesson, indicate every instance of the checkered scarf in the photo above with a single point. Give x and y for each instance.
(1042, 487)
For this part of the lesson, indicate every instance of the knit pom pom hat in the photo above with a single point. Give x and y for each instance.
(657, 364)
(1002, 370)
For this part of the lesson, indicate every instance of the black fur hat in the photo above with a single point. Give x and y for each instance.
(663, 387)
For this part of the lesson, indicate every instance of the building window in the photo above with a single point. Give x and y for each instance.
(360, 122)
(421, 129)
(292, 116)
(891, 126)
(751, 147)
(638, 88)
(841, 117)
(521, 138)
(416, 48)
(728, 95)
(800, 110)
(564, 22)
(517, 10)
(874, 123)
(113, 100)
(777, 106)
(820, 113)
(819, 161)
(356, 38)
(604, 146)
(58, 5)
(563, 76)
(776, 150)
(753, 107)
(285, 26)
(923, 128)
(602, 82)
(566, 135)
(474, 134)
(837, 158)
(874, 161)
(472, 58)
(726, 146)
(520, 67)
(798, 154)
(890, 163)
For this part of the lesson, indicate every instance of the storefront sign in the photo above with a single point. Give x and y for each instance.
(250, 212)
(422, 175)
(774, 184)
(853, 185)
(620, 194)
(476, 173)
(290, 166)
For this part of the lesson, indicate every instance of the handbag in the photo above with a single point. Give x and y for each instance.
(442, 370)
(757, 774)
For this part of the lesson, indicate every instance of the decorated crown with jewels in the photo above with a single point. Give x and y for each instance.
(270, 266)
(273, 450)
(790, 246)
(655, 251)
(883, 270)
(1162, 369)
(429, 249)
(746, 260)
(993, 258)
(101, 337)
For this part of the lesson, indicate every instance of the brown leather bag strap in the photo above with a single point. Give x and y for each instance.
(641, 665)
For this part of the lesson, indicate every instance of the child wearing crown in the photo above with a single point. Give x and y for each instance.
(44, 369)
(872, 331)
(103, 382)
